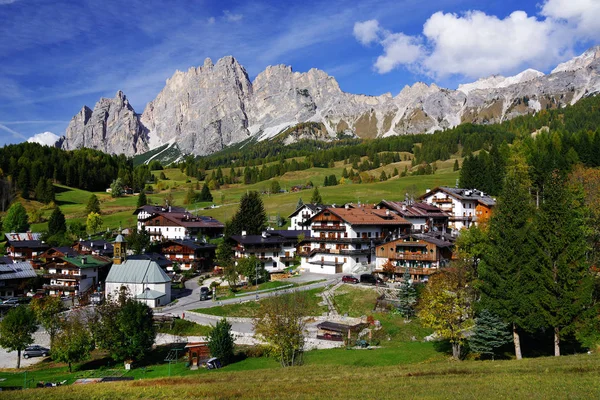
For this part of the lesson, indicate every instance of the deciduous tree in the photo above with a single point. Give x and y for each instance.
(280, 323)
(74, 342)
(47, 311)
(16, 219)
(17, 329)
(446, 305)
(94, 222)
(57, 224)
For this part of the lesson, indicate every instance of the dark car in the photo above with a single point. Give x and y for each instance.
(371, 279)
(349, 279)
(204, 293)
(36, 351)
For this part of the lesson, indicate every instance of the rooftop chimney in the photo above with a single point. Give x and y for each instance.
(427, 190)
(243, 233)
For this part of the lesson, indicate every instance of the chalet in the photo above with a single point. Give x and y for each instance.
(73, 275)
(98, 247)
(343, 239)
(422, 254)
(13, 276)
(299, 218)
(424, 217)
(145, 281)
(25, 246)
(189, 254)
(174, 223)
(466, 207)
(274, 248)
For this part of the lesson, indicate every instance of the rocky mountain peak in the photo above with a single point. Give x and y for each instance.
(215, 105)
(579, 62)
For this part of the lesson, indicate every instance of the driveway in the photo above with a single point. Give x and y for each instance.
(9, 360)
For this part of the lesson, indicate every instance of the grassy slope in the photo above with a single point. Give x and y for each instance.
(359, 374)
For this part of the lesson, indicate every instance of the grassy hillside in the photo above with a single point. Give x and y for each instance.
(360, 374)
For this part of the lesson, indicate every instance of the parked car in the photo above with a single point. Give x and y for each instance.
(11, 302)
(36, 351)
(349, 279)
(371, 279)
(204, 293)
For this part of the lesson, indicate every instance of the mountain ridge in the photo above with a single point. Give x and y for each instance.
(212, 106)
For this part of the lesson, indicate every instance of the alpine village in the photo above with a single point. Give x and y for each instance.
(280, 238)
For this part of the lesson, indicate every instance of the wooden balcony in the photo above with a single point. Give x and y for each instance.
(414, 257)
(65, 276)
(340, 228)
(72, 288)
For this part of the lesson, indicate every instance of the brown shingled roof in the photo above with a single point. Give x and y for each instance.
(367, 216)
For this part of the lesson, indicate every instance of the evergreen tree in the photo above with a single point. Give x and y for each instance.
(57, 224)
(509, 286)
(395, 172)
(561, 256)
(383, 176)
(316, 197)
(275, 187)
(326, 181)
(16, 219)
(332, 180)
(407, 296)
(205, 194)
(221, 342)
(93, 205)
(23, 183)
(250, 217)
(300, 203)
(190, 197)
(142, 200)
(456, 166)
(49, 192)
(40, 190)
(489, 333)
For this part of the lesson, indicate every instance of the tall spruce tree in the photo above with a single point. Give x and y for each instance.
(509, 282)
(489, 333)
(407, 296)
(205, 194)
(561, 255)
(57, 224)
(142, 199)
(316, 197)
(93, 205)
(250, 217)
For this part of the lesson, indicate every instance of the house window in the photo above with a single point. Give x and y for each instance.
(356, 259)
(274, 264)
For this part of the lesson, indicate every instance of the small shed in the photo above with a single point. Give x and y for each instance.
(328, 330)
(198, 353)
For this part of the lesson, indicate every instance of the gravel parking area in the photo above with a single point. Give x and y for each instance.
(9, 360)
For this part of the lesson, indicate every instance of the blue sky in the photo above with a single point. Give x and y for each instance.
(56, 56)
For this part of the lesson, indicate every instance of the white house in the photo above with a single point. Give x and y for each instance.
(275, 248)
(466, 206)
(299, 218)
(343, 238)
(174, 223)
(145, 280)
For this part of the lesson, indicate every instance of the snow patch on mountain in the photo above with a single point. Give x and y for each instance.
(499, 81)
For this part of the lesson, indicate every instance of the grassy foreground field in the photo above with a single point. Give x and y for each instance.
(572, 377)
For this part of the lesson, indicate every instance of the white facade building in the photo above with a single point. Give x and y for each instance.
(145, 280)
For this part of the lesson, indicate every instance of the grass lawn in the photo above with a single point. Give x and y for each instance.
(413, 371)
(248, 308)
(355, 300)
(182, 327)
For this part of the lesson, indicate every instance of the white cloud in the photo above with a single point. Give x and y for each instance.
(211, 20)
(367, 32)
(583, 16)
(5, 2)
(398, 49)
(475, 44)
(44, 138)
(229, 16)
